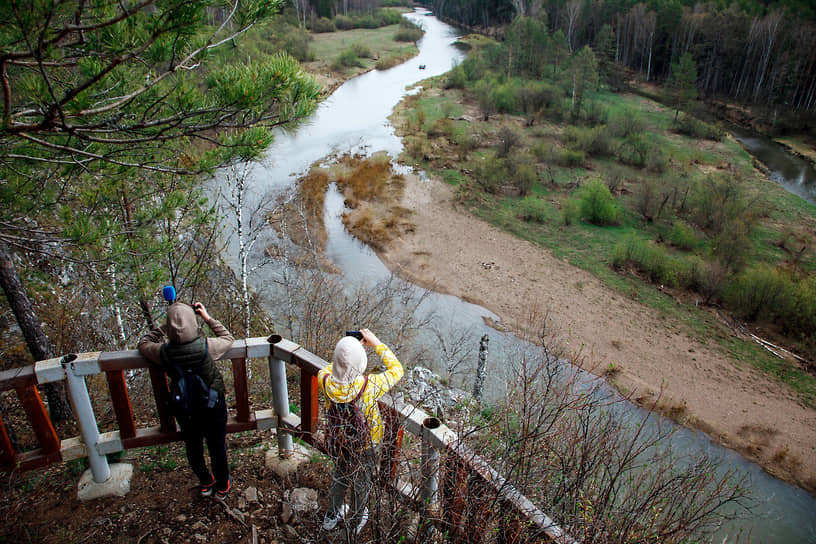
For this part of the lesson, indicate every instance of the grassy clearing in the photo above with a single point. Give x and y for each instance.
(380, 41)
(785, 222)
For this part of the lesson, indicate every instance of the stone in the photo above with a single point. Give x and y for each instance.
(199, 526)
(181, 518)
(286, 512)
(251, 494)
(117, 485)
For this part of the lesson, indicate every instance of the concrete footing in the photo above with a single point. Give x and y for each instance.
(286, 466)
(117, 485)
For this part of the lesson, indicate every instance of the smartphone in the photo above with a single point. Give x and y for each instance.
(356, 334)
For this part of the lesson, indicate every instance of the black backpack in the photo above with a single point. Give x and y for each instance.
(347, 427)
(188, 392)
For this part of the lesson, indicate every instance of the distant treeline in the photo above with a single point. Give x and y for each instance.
(747, 51)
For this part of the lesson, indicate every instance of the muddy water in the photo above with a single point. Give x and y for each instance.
(354, 119)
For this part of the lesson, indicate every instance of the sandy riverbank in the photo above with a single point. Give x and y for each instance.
(446, 248)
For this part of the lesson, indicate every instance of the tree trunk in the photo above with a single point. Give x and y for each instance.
(31, 327)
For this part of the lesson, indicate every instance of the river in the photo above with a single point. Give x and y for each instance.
(355, 119)
(795, 174)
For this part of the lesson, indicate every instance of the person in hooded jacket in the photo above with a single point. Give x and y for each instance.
(186, 348)
(342, 381)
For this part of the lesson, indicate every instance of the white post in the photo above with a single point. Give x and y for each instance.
(430, 465)
(280, 400)
(81, 402)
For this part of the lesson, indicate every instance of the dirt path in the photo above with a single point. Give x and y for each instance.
(736, 406)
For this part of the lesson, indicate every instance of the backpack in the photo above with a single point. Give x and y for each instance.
(347, 431)
(188, 392)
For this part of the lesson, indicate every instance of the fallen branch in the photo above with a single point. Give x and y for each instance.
(766, 343)
(232, 513)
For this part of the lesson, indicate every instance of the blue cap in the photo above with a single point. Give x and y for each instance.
(169, 293)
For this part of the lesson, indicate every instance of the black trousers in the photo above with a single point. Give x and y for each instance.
(210, 425)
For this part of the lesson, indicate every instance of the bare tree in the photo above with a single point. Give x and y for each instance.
(251, 214)
(574, 8)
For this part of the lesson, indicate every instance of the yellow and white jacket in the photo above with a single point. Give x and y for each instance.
(378, 385)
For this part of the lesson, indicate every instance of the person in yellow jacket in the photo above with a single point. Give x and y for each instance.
(342, 381)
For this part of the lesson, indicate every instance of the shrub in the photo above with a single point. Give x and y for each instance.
(388, 62)
(323, 25)
(408, 35)
(365, 21)
(542, 152)
(362, 50)
(571, 211)
(597, 204)
(524, 175)
(490, 174)
(694, 128)
(759, 292)
(596, 114)
(627, 124)
(533, 210)
(347, 59)
(656, 160)
(593, 141)
(390, 17)
(456, 78)
(509, 138)
(634, 150)
(408, 32)
(441, 127)
(504, 98)
(571, 158)
(656, 263)
(465, 143)
(343, 23)
(682, 235)
(295, 41)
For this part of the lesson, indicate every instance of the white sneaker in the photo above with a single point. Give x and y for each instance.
(363, 521)
(330, 522)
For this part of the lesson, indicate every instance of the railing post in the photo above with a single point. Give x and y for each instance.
(280, 398)
(81, 401)
(430, 466)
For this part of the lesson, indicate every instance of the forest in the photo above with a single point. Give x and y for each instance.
(751, 52)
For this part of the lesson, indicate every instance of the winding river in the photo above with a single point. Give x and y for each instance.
(355, 118)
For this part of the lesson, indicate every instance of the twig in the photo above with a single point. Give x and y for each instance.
(230, 511)
(254, 535)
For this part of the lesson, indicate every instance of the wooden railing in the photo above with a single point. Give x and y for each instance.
(461, 490)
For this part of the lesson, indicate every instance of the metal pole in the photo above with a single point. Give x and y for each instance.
(430, 465)
(81, 402)
(280, 399)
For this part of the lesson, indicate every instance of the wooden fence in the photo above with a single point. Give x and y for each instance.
(461, 490)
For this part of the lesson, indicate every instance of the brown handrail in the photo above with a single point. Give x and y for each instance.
(472, 494)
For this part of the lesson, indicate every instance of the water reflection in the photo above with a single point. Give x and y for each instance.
(795, 174)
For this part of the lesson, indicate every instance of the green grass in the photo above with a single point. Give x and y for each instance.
(380, 41)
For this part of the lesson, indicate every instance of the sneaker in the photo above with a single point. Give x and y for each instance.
(363, 521)
(330, 522)
(207, 489)
(222, 493)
